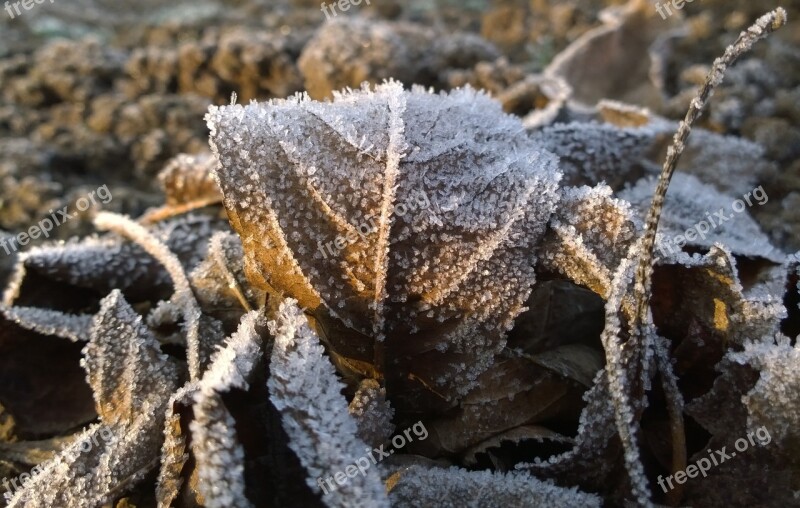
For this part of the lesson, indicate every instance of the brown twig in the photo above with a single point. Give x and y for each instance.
(643, 286)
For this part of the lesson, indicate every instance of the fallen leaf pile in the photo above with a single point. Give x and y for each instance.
(334, 274)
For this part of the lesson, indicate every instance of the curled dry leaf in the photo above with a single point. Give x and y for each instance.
(219, 455)
(188, 185)
(73, 276)
(492, 447)
(304, 389)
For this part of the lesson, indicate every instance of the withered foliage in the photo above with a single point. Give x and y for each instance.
(394, 257)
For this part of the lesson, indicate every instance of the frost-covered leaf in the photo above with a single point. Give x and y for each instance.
(705, 293)
(62, 481)
(99, 265)
(304, 387)
(589, 235)
(592, 153)
(762, 474)
(733, 165)
(198, 344)
(220, 468)
(372, 412)
(774, 402)
(455, 487)
(174, 453)
(435, 201)
(188, 184)
(30, 453)
(125, 367)
(219, 455)
(50, 322)
(132, 381)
